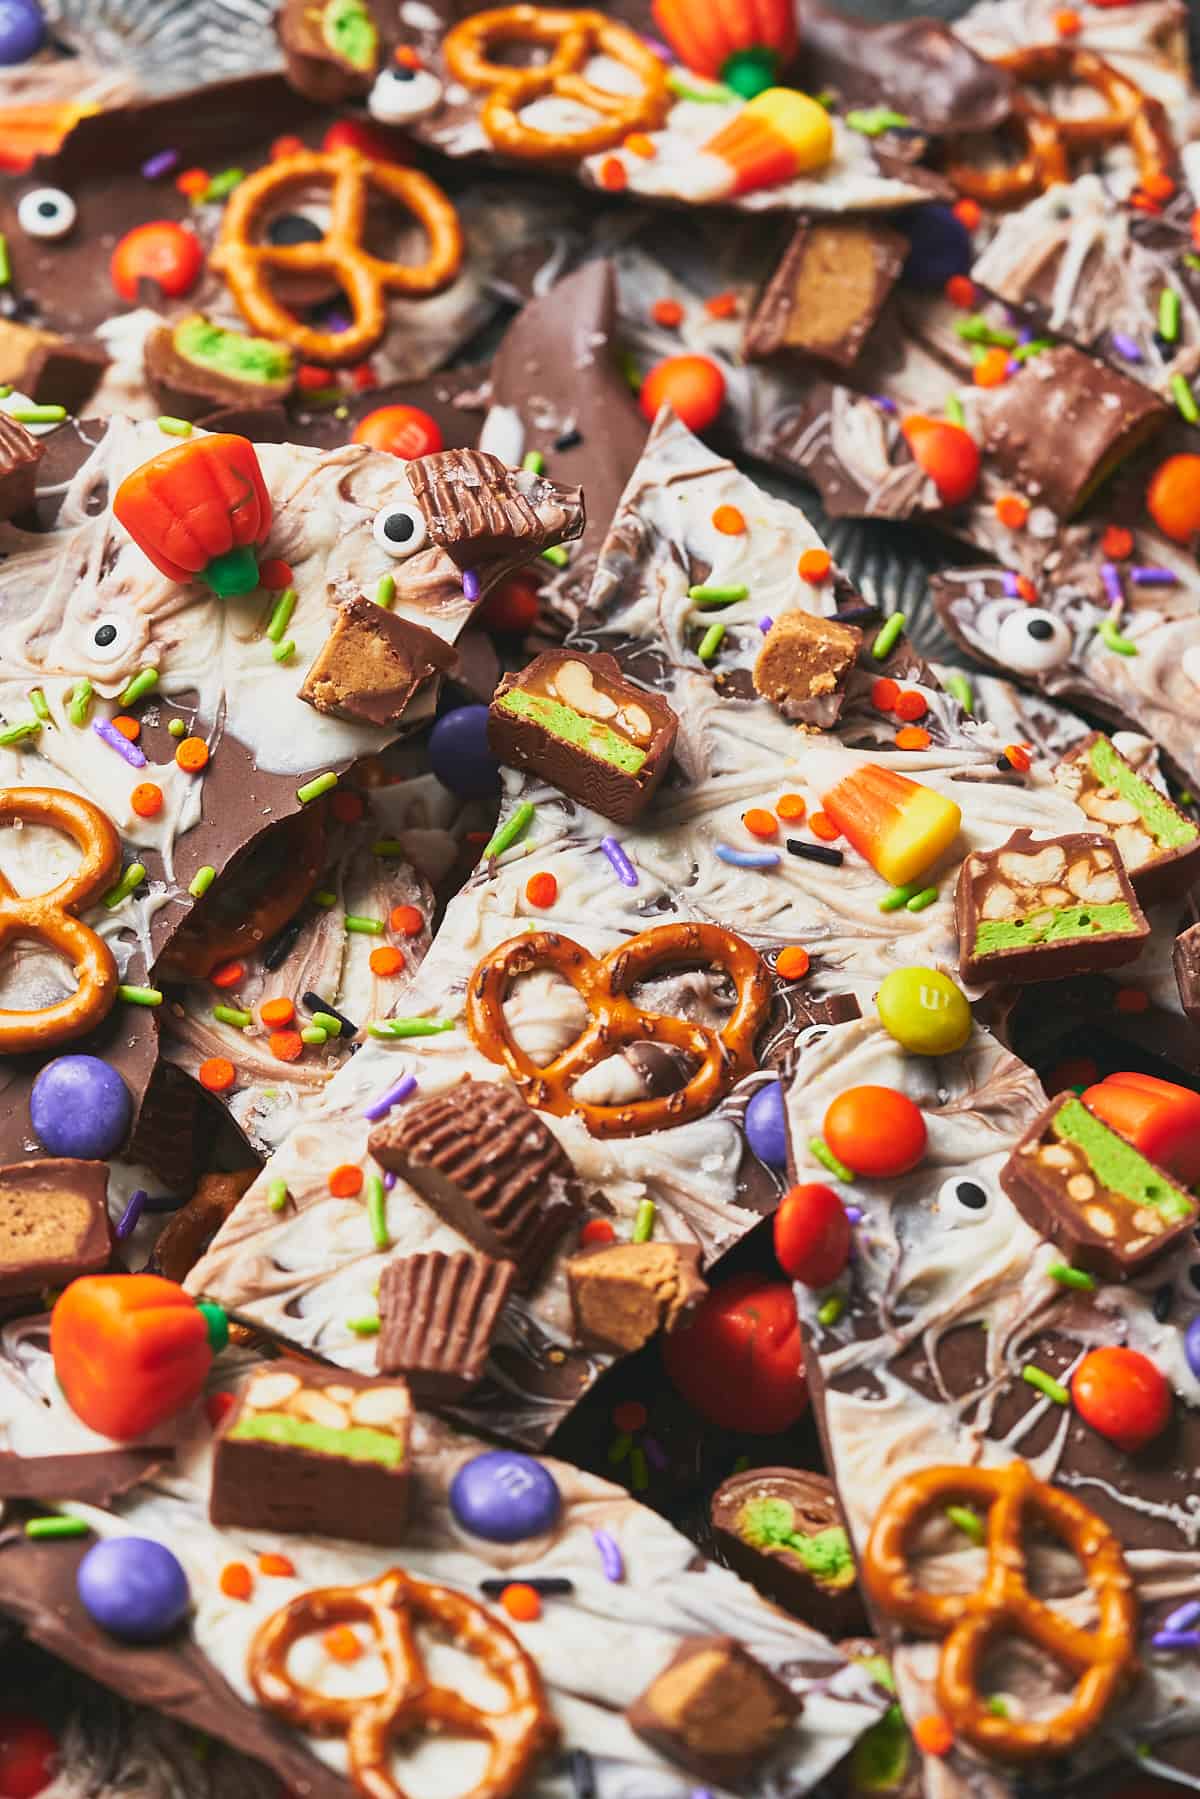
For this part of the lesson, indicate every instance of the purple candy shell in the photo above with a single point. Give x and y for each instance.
(134, 1588)
(22, 31)
(79, 1106)
(459, 754)
(766, 1132)
(504, 1496)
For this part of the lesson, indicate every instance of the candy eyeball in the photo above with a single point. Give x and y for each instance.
(963, 1200)
(109, 639)
(401, 94)
(46, 212)
(399, 530)
(1031, 641)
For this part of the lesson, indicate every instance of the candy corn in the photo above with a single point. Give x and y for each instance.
(898, 826)
(1157, 1117)
(777, 135)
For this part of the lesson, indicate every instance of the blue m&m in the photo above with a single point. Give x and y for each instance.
(504, 1496)
(134, 1588)
(766, 1131)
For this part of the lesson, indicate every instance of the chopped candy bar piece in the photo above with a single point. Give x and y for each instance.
(827, 291)
(373, 665)
(780, 1529)
(803, 665)
(438, 1315)
(1159, 844)
(714, 1709)
(623, 1293)
(53, 1224)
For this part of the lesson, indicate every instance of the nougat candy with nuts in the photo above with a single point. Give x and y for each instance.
(1158, 843)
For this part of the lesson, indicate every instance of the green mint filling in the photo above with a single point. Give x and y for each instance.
(230, 354)
(1165, 823)
(355, 1445)
(879, 1762)
(349, 30)
(770, 1524)
(586, 734)
(1062, 926)
(1118, 1166)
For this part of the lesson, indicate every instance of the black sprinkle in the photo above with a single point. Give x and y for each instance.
(281, 947)
(550, 1587)
(570, 440)
(815, 852)
(855, 615)
(1004, 765)
(315, 1003)
(1194, 1275)
(583, 1773)
(1161, 1303)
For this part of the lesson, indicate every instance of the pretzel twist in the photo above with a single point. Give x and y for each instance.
(1004, 1606)
(50, 918)
(576, 36)
(365, 280)
(603, 984)
(392, 1606)
(1050, 141)
(204, 941)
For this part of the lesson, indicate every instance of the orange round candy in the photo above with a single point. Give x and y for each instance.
(163, 252)
(403, 431)
(286, 1046)
(276, 1013)
(236, 1581)
(791, 964)
(512, 607)
(948, 455)
(875, 1131)
(345, 1180)
(814, 565)
(541, 889)
(146, 799)
(693, 385)
(216, 1075)
(521, 1601)
(386, 961)
(1122, 1395)
(1173, 498)
(406, 921)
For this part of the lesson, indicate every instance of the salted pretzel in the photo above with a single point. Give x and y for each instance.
(366, 280)
(51, 918)
(575, 36)
(1050, 142)
(1004, 1606)
(392, 1606)
(204, 941)
(603, 984)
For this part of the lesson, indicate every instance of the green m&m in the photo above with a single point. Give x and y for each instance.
(925, 1011)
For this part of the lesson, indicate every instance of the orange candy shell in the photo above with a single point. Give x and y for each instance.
(1157, 1117)
(162, 251)
(948, 455)
(1173, 498)
(129, 1351)
(403, 431)
(875, 1131)
(693, 385)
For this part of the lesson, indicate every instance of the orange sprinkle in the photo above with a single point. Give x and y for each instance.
(960, 291)
(759, 822)
(192, 755)
(1117, 543)
(968, 213)
(345, 1180)
(147, 800)
(823, 827)
(387, 960)
(1012, 510)
(630, 1415)
(992, 368)
(1196, 227)
(406, 921)
(237, 1582)
(274, 575)
(1158, 185)
(342, 1643)
(407, 57)
(521, 1602)
(910, 705)
(280, 1565)
(933, 1734)
(814, 565)
(667, 313)
(1143, 202)
(728, 521)
(275, 1013)
(284, 146)
(792, 807)
(286, 1046)
(791, 964)
(1132, 999)
(613, 178)
(1018, 757)
(1068, 23)
(541, 889)
(1026, 590)
(228, 974)
(192, 182)
(913, 737)
(216, 1075)
(640, 145)
(128, 727)
(721, 306)
(884, 693)
(597, 1230)
(347, 807)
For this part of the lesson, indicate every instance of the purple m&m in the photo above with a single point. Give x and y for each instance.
(1191, 1346)
(939, 247)
(79, 1106)
(766, 1132)
(133, 1588)
(504, 1496)
(459, 755)
(22, 31)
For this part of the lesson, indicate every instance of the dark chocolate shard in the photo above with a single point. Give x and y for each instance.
(622, 1294)
(438, 1315)
(20, 453)
(828, 289)
(476, 506)
(714, 1709)
(330, 48)
(918, 64)
(1107, 1206)
(803, 665)
(54, 1224)
(781, 1529)
(374, 664)
(197, 367)
(1159, 844)
(1185, 959)
(488, 1165)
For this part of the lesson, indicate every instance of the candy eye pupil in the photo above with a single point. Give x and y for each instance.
(404, 74)
(971, 1195)
(1040, 628)
(105, 635)
(47, 209)
(398, 527)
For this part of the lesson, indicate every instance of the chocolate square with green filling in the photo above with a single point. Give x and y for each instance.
(1159, 844)
(1109, 1208)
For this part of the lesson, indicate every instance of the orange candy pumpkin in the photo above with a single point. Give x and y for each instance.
(745, 43)
(131, 1350)
(200, 509)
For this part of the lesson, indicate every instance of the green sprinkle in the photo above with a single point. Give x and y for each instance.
(325, 1021)
(1112, 639)
(830, 1310)
(81, 702)
(283, 652)
(873, 121)
(314, 1036)
(234, 1015)
(619, 1448)
(15, 733)
(5, 269)
(627, 363)
(1045, 1384)
(377, 1212)
(144, 682)
(410, 1027)
(556, 556)
(889, 635)
(223, 183)
(899, 896)
(38, 415)
(1071, 1277)
(997, 1706)
(277, 1195)
(969, 1522)
(827, 1159)
(281, 614)
(957, 684)
(718, 596)
(385, 592)
(133, 877)
(534, 461)
(174, 427)
(953, 410)
(5, 390)
(508, 833)
(37, 700)
(639, 1473)
(324, 898)
(363, 1327)
(387, 846)
(706, 94)
(201, 881)
(710, 643)
(1168, 315)
(1035, 346)
(976, 330)
(176, 728)
(47, 1529)
(312, 790)
(140, 996)
(919, 901)
(1185, 399)
(1191, 259)
(643, 1224)
(363, 927)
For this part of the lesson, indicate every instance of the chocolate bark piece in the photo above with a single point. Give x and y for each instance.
(374, 664)
(1159, 844)
(883, 1763)
(330, 48)
(488, 1165)
(51, 369)
(924, 69)
(574, 719)
(438, 1314)
(1185, 958)
(1037, 909)
(803, 665)
(315, 1450)
(714, 1709)
(781, 1529)
(1060, 426)
(53, 1223)
(622, 1294)
(828, 290)
(197, 367)
(20, 453)
(1106, 1205)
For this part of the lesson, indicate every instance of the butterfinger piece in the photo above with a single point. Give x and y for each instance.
(54, 1224)
(714, 1709)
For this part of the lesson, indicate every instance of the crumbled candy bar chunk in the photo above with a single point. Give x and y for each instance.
(53, 1224)
(827, 291)
(714, 1709)
(803, 665)
(623, 1293)
(373, 664)
(1159, 844)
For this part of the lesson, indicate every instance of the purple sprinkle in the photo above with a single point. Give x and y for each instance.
(1176, 1639)
(765, 623)
(659, 48)
(656, 1455)
(1154, 577)
(1012, 366)
(112, 737)
(1125, 346)
(855, 1214)
(470, 583)
(161, 164)
(1183, 1617)
(337, 322)
(380, 1108)
(884, 403)
(131, 1214)
(389, 1181)
(1025, 334)
(626, 873)
(611, 1559)
(701, 1793)
(1111, 577)
(1009, 584)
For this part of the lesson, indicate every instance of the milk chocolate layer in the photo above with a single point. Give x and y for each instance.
(781, 1529)
(438, 1315)
(826, 293)
(922, 68)
(53, 1223)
